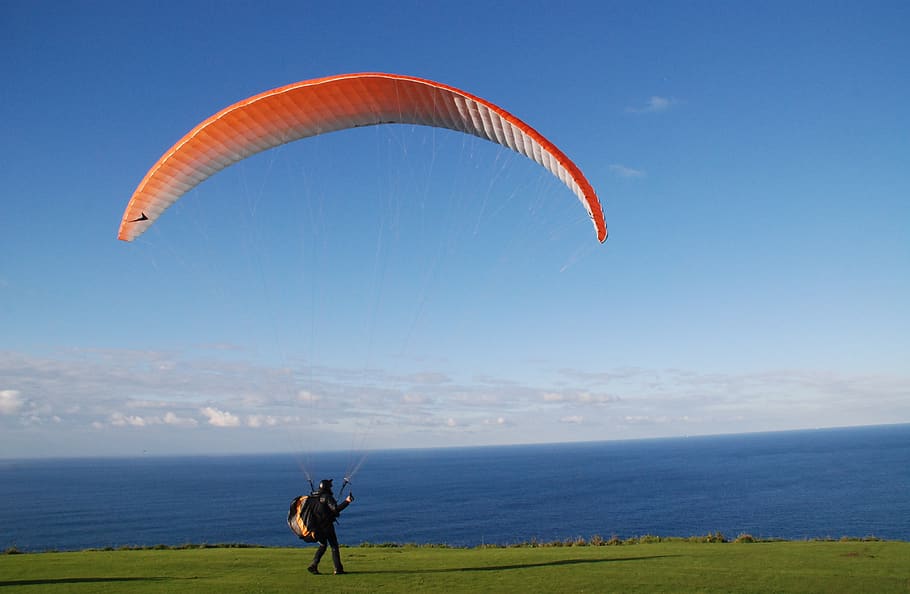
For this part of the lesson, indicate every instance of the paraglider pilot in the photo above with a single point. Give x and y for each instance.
(325, 512)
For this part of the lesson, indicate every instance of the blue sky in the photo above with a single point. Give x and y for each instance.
(406, 287)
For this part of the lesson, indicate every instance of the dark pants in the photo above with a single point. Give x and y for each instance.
(328, 539)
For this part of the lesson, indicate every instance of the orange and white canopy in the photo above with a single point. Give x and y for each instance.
(334, 103)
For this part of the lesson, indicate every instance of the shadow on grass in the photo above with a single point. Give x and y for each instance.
(80, 580)
(517, 565)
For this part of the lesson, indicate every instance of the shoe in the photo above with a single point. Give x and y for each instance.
(313, 570)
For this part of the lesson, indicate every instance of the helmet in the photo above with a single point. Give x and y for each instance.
(325, 485)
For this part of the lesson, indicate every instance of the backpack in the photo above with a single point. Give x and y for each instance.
(301, 519)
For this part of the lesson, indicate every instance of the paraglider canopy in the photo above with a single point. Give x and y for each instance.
(329, 104)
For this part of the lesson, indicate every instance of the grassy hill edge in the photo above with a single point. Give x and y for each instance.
(594, 541)
(671, 565)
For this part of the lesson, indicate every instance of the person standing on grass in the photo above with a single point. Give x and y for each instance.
(325, 513)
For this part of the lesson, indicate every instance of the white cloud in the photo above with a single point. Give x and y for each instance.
(572, 419)
(627, 172)
(174, 420)
(118, 419)
(121, 420)
(655, 104)
(257, 421)
(220, 418)
(10, 402)
(307, 396)
(593, 398)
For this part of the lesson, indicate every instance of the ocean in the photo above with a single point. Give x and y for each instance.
(825, 483)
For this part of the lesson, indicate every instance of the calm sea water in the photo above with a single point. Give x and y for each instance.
(795, 485)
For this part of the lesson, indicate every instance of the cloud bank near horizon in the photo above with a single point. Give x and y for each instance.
(196, 402)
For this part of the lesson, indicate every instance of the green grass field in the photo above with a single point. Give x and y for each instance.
(660, 567)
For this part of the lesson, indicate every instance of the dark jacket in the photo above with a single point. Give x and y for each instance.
(327, 510)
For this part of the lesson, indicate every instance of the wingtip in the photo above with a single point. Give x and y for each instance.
(123, 235)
